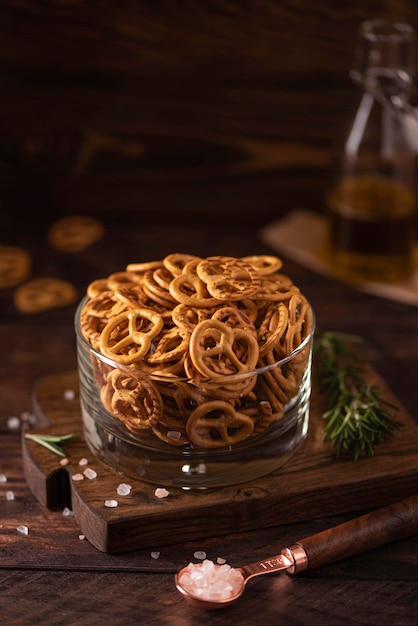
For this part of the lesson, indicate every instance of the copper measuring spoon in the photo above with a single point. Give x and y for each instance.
(367, 532)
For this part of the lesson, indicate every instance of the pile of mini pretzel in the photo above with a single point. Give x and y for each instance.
(192, 346)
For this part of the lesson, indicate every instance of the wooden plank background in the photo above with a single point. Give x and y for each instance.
(164, 99)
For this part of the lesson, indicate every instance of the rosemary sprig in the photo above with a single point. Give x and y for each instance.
(51, 442)
(358, 417)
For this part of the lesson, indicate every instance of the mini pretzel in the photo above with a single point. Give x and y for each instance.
(15, 266)
(264, 264)
(139, 269)
(157, 291)
(96, 313)
(132, 296)
(122, 338)
(284, 379)
(171, 347)
(273, 326)
(276, 287)
(97, 287)
(43, 294)
(217, 349)
(188, 288)
(216, 424)
(135, 401)
(272, 391)
(74, 233)
(234, 318)
(180, 399)
(104, 305)
(227, 387)
(261, 414)
(300, 322)
(176, 263)
(119, 280)
(228, 278)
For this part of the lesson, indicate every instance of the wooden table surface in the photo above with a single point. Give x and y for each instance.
(51, 577)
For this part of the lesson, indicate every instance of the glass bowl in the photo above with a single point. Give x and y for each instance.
(194, 432)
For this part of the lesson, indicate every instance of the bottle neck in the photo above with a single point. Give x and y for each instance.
(385, 57)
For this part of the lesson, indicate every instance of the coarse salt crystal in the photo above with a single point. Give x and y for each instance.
(155, 554)
(66, 512)
(69, 394)
(200, 554)
(110, 504)
(90, 473)
(220, 560)
(124, 489)
(10, 495)
(64, 462)
(83, 462)
(78, 477)
(3, 478)
(27, 418)
(211, 582)
(81, 537)
(13, 424)
(160, 492)
(23, 530)
(175, 435)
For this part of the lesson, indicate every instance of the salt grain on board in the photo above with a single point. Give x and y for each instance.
(78, 477)
(27, 418)
(22, 530)
(10, 495)
(90, 473)
(124, 489)
(3, 478)
(13, 424)
(110, 504)
(200, 554)
(66, 512)
(175, 435)
(83, 462)
(155, 555)
(69, 394)
(160, 492)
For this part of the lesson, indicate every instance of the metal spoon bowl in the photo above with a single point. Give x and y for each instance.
(241, 574)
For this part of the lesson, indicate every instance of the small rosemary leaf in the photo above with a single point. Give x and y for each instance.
(53, 447)
(56, 438)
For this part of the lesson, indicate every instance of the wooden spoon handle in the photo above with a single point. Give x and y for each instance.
(364, 533)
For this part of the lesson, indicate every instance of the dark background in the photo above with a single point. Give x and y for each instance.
(152, 111)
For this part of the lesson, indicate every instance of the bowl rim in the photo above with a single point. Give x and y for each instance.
(133, 371)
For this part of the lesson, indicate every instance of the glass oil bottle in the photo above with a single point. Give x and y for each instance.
(372, 203)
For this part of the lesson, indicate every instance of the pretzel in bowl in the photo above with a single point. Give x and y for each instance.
(126, 338)
(217, 424)
(218, 350)
(209, 335)
(228, 278)
(134, 400)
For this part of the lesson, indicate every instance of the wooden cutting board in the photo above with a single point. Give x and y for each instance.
(312, 484)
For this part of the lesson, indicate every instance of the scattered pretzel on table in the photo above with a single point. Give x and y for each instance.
(195, 343)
